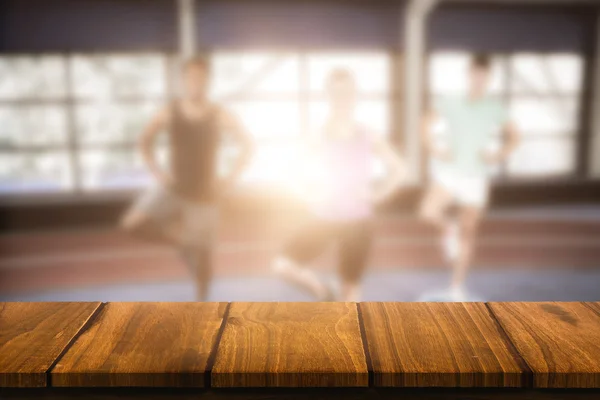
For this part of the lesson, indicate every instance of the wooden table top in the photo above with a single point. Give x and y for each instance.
(34, 335)
(439, 345)
(294, 345)
(143, 344)
(291, 345)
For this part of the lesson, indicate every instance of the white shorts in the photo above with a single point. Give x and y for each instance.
(465, 190)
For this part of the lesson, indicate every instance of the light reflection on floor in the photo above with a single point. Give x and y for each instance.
(404, 285)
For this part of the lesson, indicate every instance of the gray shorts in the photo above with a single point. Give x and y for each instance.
(195, 223)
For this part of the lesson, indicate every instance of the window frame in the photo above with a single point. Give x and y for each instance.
(394, 97)
(73, 145)
(75, 148)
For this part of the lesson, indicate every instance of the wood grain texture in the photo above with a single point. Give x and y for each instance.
(438, 345)
(33, 335)
(143, 344)
(559, 341)
(291, 345)
(594, 306)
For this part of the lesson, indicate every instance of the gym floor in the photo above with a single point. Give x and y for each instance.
(402, 285)
(523, 255)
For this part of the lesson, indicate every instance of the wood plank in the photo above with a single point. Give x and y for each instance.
(559, 341)
(291, 345)
(594, 306)
(33, 335)
(143, 344)
(438, 345)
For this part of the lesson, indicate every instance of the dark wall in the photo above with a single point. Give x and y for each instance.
(300, 24)
(508, 29)
(87, 25)
(132, 25)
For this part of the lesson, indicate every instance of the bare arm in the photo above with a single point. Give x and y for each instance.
(242, 138)
(428, 126)
(509, 144)
(512, 140)
(395, 166)
(146, 145)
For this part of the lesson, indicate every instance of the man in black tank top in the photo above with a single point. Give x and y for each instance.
(181, 209)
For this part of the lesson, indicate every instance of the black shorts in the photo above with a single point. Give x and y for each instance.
(353, 239)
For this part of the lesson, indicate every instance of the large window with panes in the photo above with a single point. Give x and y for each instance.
(69, 123)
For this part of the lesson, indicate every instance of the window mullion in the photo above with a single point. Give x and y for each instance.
(304, 93)
(73, 147)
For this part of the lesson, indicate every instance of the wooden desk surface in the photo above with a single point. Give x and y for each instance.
(143, 344)
(34, 335)
(296, 345)
(439, 345)
(559, 341)
(291, 345)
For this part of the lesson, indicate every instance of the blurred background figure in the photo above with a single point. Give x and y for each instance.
(76, 92)
(459, 134)
(181, 209)
(340, 196)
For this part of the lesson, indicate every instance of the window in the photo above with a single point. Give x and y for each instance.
(280, 99)
(542, 94)
(114, 96)
(70, 122)
(34, 125)
(263, 89)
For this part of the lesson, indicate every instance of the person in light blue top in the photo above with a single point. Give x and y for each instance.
(472, 124)
(465, 137)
